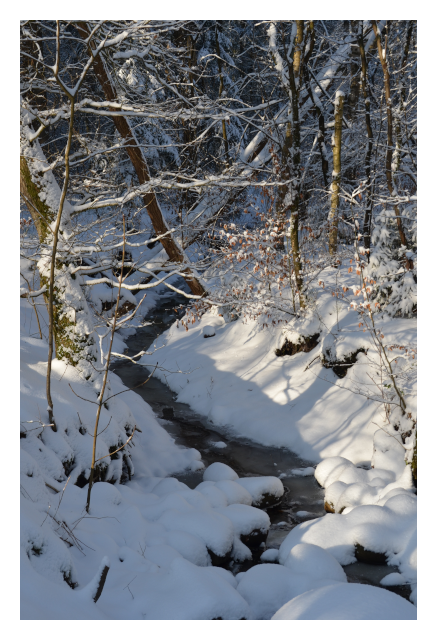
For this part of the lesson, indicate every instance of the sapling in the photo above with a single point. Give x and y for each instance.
(105, 373)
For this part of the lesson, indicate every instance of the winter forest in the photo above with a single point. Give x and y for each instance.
(218, 274)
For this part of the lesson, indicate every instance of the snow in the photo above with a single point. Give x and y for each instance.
(246, 519)
(271, 555)
(155, 532)
(260, 487)
(234, 492)
(219, 445)
(267, 587)
(285, 401)
(347, 602)
(314, 561)
(308, 471)
(389, 529)
(219, 471)
(208, 331)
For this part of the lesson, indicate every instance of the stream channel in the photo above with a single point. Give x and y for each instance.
(303, 498)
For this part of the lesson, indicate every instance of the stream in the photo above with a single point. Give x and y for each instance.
(303, 499)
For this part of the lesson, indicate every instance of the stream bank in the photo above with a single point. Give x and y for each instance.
(303, 498)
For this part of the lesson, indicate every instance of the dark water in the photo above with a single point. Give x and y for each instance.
(247, 458)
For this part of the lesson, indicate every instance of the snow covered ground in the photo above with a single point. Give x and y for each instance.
(235, 378)
(158, 537)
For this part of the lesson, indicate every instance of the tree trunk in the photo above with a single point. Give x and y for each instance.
(389, 154)
(364, 88)
(72, 323)
(336, 174)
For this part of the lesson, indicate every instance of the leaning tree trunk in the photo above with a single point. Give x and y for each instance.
(134, 151)
(336, 174)
(73, 330)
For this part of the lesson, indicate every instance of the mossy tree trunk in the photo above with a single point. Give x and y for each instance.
(72, 324)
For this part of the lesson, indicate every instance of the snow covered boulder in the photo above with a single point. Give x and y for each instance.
(271, 555)
(213, 528)
(300, 336)
(186, 592)
(214, 495)
(250, 524)
(208, 331)
(219, 471)
(340, 352)
(347, 602)
(266, 491)
(234, 492)
(312, 561)
(332, 495)
(266, 587)
(330, 470)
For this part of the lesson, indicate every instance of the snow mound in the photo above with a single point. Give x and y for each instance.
(347, 602)
(235, 493)
(246, 519)
(219, 471)
(311, 560)
(260, 488)
(208, 331)
(271, 555)
(187, 592)
(267, 587)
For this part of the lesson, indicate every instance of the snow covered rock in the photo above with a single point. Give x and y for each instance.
(186, 592)
(219, 471)
(250, 524)
(347, 602)
(271, 555)
(213, 528)
(390, 529)
(215, 496)
(234, 492)
(330, 470)
(266, 587)
(266, 491)
(208, 331)
(312, 561)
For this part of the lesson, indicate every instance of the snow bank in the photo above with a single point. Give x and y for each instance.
(284, 401)
(347, 602)
(158, 536)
